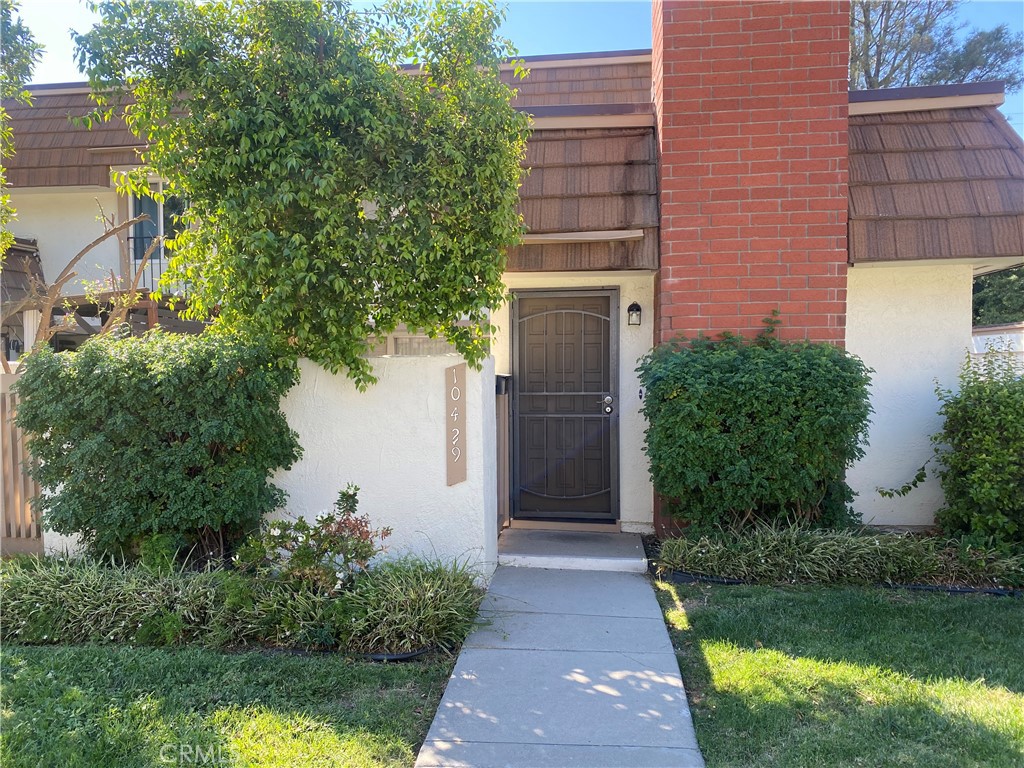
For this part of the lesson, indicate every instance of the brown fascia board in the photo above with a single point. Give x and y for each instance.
(58, 89)
(41, 87)
(927, 97)
(588, 55)
(928, 91)
(565, 59)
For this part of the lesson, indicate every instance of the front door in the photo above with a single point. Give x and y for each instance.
(565, 406)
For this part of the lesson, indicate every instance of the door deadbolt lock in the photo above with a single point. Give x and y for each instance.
(608, 409)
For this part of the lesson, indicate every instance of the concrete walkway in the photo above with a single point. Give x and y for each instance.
(574, 668)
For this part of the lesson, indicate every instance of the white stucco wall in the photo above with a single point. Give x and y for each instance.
(636, 493)
(390, 441)
(58, 544)
(912, 325)
(64, 222)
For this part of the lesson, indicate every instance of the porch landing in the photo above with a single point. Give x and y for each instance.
(572, 550)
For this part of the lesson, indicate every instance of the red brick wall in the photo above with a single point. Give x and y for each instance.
(751, 102)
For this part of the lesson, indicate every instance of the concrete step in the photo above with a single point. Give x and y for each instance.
(572, 550)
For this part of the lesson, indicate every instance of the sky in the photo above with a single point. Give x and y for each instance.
(534, 26)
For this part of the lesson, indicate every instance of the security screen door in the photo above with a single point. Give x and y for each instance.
(565, 406)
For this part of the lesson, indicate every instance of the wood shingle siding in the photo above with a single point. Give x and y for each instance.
(54, 151)
(938, 184)
(581, 257)
(585, 181)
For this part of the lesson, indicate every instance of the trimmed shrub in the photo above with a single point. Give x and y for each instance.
(981, 450)
(163, 434)
(742, 431)
(797, 555)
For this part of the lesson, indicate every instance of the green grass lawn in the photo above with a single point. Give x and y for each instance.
(117, 706)
(849, 676)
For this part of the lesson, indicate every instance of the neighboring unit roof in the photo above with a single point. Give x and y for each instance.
(936, 184)
(21, 266)
(584, 80)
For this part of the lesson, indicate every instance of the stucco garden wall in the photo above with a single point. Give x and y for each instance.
(912, 325)
(63, 223)
(1007, 338)
(390, 441)
(636, 493)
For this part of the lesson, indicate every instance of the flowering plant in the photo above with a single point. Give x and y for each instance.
(325, 554)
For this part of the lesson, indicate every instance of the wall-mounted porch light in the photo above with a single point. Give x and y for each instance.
(634, 312)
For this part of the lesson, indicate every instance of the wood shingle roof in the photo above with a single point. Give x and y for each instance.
(924, 184)
(53, 150)
(936, 184)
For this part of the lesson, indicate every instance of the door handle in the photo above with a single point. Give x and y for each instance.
(607, 400)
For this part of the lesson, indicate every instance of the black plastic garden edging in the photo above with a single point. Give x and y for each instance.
(407, 656)
(685, 577)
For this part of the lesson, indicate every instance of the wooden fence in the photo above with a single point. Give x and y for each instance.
(20, 531)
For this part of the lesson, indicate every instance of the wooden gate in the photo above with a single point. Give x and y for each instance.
(20, 530)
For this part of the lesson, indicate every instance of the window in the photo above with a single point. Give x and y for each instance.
(163, 222)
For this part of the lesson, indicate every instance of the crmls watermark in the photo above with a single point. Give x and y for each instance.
(195, 754)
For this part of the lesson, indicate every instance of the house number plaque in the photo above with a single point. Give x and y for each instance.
(455, 423)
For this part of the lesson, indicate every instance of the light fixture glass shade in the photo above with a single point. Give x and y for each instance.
(634, 313)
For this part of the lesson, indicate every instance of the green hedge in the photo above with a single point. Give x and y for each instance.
(981, 449)
(163, 434)
(394, 607)
(741, 431)
(798, 555)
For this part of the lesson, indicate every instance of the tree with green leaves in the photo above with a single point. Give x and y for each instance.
(999, 297)
(896, 43)
(346, 171)
(19, 53)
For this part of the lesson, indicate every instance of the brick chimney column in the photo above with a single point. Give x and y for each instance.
(751, 102)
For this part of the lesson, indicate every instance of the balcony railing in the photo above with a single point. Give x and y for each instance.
(154, 268)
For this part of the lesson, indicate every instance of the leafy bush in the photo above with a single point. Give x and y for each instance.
(981, 449)
(391, 608)
(164, 434)
(740, 430)
(782, 555)
(325, 555)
